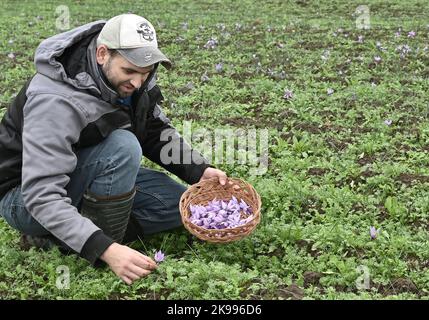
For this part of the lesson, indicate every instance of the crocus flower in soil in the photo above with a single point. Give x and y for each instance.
(360, 39)
(403, 50)
(388, 122)
(330, 91)
(411, 34)
(219, 67)
(288, 94)
(373, 232)
(211, 44)
(159, 256)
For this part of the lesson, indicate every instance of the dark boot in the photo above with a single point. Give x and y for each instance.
(110, 214)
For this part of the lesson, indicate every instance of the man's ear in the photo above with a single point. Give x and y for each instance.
(102, 54)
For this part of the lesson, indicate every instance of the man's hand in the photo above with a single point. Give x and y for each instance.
(128, 264)
(212, 173)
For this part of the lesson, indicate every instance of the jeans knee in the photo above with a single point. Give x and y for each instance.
(127, 147)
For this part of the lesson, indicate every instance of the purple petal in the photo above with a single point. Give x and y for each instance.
(373, 232)
(159, 256)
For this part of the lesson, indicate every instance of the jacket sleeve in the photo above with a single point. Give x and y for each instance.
(163, 145)
(52, 123)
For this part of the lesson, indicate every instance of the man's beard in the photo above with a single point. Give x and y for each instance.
(107, 70)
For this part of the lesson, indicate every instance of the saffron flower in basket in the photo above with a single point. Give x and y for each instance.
(220, 214)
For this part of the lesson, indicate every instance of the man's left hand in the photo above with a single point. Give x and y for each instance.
(213, 173)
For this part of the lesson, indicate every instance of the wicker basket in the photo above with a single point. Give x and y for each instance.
(203, 192)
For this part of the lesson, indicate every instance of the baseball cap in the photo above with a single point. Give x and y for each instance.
(134, 38)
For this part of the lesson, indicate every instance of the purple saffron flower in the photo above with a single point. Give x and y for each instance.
(373, 232)
(288, 94)
(397, 34)
(411, 34)
(159, 256)
(388, 122)
(211, 44)
(330, 91)
(211, 215)
(218, 219)
(244, 206)
(197, 222)
(221, 214)
(360, 39)
(403, 50)
(219, 67)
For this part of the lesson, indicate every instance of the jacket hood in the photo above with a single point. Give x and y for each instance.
(50, 50)
(58, 54)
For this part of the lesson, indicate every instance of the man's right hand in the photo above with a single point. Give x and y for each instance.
(128, 264)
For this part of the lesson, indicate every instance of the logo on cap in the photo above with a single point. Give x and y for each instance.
(147, 56)
(145, 31)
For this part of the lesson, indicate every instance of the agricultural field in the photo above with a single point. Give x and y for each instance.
(336, 93)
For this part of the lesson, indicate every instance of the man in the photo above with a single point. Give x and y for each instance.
(72, 140)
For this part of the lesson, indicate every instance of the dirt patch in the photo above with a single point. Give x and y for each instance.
(307, 246)
(287, 135)
(312, 278)
(317, 171)
(360, 179)
(309, 127)
(413, 131)
(257, 122)
(279, 253)
(409, 179)
(292, 292)
(400, 285)
(383, 214)
(317, 128)
(366, 159)
(404, 147)
(338, 145)
(311, 203)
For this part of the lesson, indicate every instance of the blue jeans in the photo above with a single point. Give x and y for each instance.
(111, 168)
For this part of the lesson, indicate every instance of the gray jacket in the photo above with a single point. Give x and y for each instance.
(58, 109)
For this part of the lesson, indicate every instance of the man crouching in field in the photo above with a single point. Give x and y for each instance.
(71, 145)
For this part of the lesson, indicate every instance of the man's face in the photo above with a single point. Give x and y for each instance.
(124, 76)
